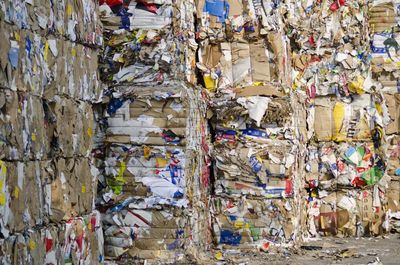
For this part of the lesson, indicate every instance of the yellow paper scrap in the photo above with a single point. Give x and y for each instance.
(121, 171)
(32, 244)
(338, 116)
(218, 255)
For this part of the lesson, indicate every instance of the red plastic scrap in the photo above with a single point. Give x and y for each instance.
(311, 41)
(336, 5)
(49, 244)
(150, 7)
(111, 3)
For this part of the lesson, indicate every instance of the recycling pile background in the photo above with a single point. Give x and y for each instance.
(48, 81)
(195, 130)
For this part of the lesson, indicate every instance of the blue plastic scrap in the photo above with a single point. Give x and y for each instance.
(230, 238)
(13, 56)
(218, 8)
(255, 164)
(115, 104)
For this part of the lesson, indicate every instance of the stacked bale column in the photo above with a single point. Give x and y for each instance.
(48, 81)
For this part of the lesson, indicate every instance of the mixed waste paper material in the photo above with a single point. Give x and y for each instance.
(155, 130)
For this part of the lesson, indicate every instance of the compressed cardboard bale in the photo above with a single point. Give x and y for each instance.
(236, 23)
(236, 66)
(43, 72)
(148, 171)
(22, 203)
(23, 127)
(47, 66)
(146, 230)
(53, 244)
(174, 56)
(251, 221)
(77, 21)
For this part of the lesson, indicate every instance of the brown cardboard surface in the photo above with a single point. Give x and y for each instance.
(23, 182)
(72, 189)
(266, 90)
(260, 67)
(281, 51)
(323, 119)
(241, 63)
(393, 195)
(235, 8)
(393, 104)
(211, 55)
(393, 155)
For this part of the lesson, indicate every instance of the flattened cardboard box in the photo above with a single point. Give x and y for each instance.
(71, 127)
(393, 196)
(156, 120)
(73, 188)
(11, 141)
(393, 104)
(239, 66)
(23, 128)
(342, 121)
(22, 203)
